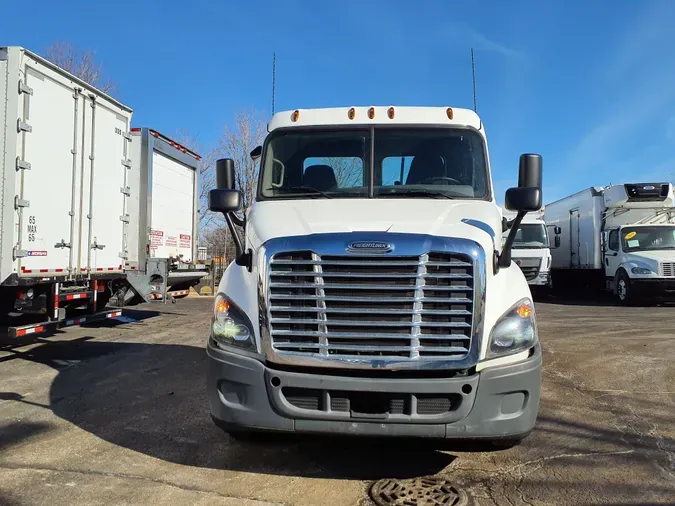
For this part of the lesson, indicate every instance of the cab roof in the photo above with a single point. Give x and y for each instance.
(375, 115)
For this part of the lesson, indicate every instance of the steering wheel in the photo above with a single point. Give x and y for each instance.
(441, 178)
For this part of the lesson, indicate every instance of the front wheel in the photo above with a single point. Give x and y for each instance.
(624, 290)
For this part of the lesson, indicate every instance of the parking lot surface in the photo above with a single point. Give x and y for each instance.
(117, 414)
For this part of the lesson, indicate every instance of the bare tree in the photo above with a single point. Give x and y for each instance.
(81, 64)
(237, 142)
(348, 170)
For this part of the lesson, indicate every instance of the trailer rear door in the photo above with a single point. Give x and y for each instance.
(173, 210)
(66, 140)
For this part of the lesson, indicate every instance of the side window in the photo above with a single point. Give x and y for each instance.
(348, 171)
(613, 240)
(395, 169)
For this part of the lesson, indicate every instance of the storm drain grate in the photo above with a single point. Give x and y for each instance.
(417, 492)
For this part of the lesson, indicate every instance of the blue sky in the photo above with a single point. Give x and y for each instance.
(590, 86)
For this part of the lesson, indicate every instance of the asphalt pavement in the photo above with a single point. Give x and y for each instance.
(117, 414)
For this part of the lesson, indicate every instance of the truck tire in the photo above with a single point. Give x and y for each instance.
(624, 290)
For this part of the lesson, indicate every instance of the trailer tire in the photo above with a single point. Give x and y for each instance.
(624, 290)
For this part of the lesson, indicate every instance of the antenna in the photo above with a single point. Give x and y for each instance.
(274, 78)
(473, 77)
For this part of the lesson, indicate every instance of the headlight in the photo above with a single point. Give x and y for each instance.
(230, 326)
(641, 270)
(515, 331)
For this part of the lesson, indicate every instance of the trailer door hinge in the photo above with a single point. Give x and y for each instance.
(18, 203)
(19, 253)
(24, 88)
(124, 255)
(126, 163)
(126, 191)
(125, 218)
(62, 244)
(22, 126)
(21, 164)
(127, 136)
(96, 245)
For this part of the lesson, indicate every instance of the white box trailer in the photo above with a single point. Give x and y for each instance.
(621, 237)
(65, 165)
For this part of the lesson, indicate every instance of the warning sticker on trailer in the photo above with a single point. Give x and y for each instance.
(156, 237)
(37, 253)
(184, 241)
(171, 241)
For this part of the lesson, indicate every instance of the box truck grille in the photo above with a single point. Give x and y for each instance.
(529, 267)
(667, 269)
(404, 307)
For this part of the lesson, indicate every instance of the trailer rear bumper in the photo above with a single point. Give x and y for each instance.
(496, 403)
(43, 327)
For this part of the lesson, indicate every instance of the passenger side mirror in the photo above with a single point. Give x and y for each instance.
(523, 199)
(556, 241)
(224, 201)
(256, 153)
(225, 174)
(557, 230)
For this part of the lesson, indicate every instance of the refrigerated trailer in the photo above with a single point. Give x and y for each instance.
(620, 238)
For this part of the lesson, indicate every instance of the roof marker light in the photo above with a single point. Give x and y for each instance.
(351, 113)
(390, 113)
(450, 113)
(295, 116)
(371, 113)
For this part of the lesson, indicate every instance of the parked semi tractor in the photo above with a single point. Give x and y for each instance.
(620, 238)
(531, 250)
(371, 293)
(71, 234)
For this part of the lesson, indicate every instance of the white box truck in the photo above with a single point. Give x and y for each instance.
(619, 237)
(371, 294)
(531, 250)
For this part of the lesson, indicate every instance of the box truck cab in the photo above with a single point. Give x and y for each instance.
(371, 294)
(531, 248)
(625, 233)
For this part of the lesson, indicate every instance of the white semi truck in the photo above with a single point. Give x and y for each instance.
(531, 250)
(74, 220)
(619, 237)
(371, 293)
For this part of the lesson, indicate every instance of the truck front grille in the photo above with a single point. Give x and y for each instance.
(400, 307)
(667, 269)
(529, 267)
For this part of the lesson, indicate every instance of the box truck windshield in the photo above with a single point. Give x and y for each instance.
(648, 238)
(530, 236)
(375, 162)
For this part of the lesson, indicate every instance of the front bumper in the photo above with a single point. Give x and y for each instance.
(542, 279)
(655, 287)
(498, 402)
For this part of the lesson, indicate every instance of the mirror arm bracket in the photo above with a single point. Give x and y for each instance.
(245, 259)
(504, 259)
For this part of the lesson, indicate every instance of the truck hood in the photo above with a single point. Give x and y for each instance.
(665, 255)
(476, 220)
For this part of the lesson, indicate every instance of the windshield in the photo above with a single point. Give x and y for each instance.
(406, 162)
(529, 235)
(648, 238)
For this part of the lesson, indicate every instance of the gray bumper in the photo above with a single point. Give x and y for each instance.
(542, 279)
(244, 394)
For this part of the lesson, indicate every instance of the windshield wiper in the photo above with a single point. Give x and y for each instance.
(302, 189)
(416, 193)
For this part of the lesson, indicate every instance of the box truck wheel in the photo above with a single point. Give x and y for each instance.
(624, 290)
